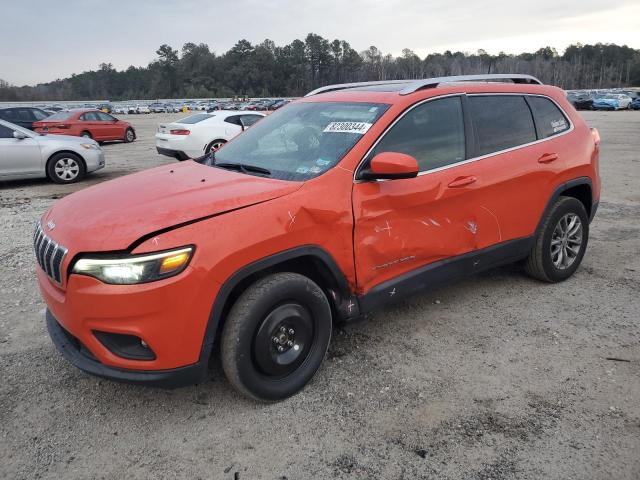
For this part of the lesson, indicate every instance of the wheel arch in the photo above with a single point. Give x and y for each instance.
(50, 157)
(311, 261)
(579, 188)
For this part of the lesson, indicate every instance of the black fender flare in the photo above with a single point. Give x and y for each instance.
(559, 190)
(344, 300)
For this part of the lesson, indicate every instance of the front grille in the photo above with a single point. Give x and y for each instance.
(49, 254)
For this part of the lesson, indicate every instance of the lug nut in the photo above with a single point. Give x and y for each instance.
(283, 329)
(290, 343)
(291, 331)
(281, 348)
(275, 340)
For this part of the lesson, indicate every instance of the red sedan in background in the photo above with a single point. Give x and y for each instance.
(94, 124)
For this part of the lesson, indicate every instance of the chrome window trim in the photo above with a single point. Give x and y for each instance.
(469, 160)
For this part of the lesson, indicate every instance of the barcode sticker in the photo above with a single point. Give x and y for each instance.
(348, 127)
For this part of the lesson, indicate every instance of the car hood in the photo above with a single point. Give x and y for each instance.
(113, 215)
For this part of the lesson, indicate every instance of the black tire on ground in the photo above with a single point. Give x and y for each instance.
(85, 134)
(276, 336)
(569, 241)
(216, 143)
(129, 135)
(66, 167)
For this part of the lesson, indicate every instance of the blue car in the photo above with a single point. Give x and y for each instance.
(611, 101)
(635, 104)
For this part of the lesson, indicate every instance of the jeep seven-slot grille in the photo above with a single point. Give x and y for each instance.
(49, 254)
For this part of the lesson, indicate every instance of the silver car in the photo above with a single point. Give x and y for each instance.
(61, 158)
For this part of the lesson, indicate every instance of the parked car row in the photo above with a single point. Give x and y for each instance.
(604, 100)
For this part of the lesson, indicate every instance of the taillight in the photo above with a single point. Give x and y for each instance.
(179, 132)
(596, 136)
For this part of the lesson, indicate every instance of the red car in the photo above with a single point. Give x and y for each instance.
(94, 124)
(352, 197)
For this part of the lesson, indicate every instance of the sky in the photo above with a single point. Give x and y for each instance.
(41, 40)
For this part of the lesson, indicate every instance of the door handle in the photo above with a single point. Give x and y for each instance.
(548, 158)
(462, 182)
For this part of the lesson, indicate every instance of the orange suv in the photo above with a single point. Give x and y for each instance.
(349, 198)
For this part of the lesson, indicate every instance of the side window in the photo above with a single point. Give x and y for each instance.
(8, 114)
(104, 117)
(24, 115)
(501, 122)
(234, 119)
(549, 118)
(433, 133)
(249, 120)
(89, 117)
(5, 132)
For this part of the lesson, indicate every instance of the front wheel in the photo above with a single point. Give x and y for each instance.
(65, 168)
(276, 336)
(561, 243)
(129, 136)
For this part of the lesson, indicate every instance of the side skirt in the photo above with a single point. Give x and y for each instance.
(445, 271)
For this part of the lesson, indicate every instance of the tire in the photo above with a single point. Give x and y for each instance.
(276, 336)
(66, 167)
(215, 145)
(86, 134)
(557, 262)
(129, 135)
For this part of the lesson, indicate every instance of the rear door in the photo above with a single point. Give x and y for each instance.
(520, 160)
(19, 156)
(402, 225)
(90, 122)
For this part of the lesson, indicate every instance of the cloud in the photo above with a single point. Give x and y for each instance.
(57, 39)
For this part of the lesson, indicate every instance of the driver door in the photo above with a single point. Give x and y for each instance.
(402, 225)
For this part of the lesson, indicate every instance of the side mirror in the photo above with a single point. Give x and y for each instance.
(19, 135)
(391, 166)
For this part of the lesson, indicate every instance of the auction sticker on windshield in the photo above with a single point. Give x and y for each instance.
(348, 127)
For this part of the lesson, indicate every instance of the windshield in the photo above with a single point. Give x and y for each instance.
(302, 140)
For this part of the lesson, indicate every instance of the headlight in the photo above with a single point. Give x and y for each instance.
(90, 146)
(132, 269)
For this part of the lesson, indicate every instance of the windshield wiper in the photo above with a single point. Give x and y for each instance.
(244, 168)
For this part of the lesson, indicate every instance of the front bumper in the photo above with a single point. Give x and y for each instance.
(94, 159)
(76, 353)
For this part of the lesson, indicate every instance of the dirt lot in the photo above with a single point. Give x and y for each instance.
(497, 377)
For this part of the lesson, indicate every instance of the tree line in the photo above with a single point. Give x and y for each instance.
(266, 69)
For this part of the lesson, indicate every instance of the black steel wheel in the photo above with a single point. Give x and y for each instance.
(276, 336)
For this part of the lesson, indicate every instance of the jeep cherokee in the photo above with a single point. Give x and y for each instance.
(349, 198)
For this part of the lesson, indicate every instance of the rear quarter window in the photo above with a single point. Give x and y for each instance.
(549, 118)
(501, 122)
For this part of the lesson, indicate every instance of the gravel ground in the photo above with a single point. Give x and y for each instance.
(497, 377)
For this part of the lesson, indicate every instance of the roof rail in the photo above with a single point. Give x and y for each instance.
(415, 85)
(342, 86)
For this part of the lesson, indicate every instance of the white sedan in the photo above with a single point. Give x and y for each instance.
(201, 133)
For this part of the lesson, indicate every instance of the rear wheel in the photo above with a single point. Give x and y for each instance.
(65, 168)
(276, 336)
(561, 243)
(215, 145)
